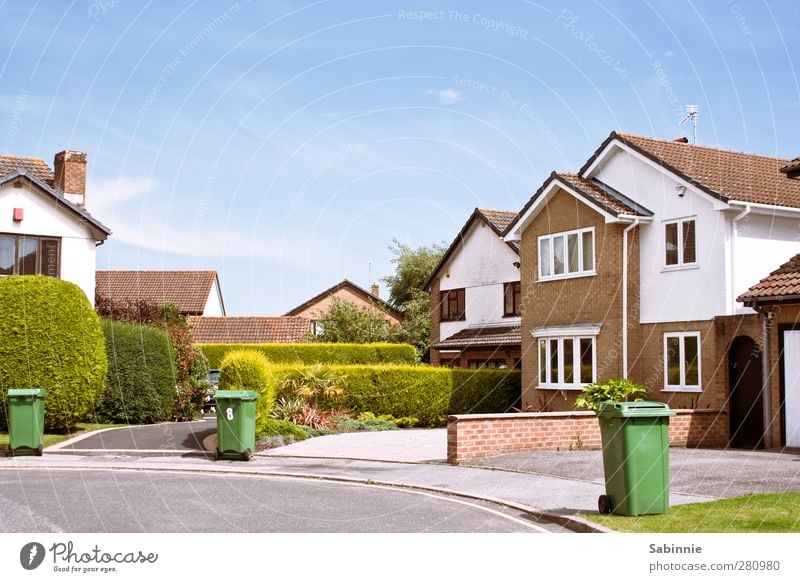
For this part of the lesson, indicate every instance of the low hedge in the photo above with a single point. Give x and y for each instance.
(50, 337)
(424, 392)
(250, 370)
(141, 375)
(318, 353)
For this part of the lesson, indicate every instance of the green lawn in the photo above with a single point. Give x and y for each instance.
(51, 439)
(763, 513)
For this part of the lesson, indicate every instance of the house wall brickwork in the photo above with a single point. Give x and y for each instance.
(479, 435)
(320, 307)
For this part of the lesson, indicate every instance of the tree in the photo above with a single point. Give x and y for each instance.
(413, 266)
(346, 322)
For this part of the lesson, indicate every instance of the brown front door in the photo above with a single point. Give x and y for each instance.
(745, 403)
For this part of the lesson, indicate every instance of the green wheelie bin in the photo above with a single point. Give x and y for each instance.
(635, 438)
(26, 422)
(236, 424)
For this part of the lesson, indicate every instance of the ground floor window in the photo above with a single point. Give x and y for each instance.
(486, 364)
(566, 361)
(29, 255)
(682, 361)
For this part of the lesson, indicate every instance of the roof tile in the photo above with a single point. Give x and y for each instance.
(508, 335)
(34, 167)
(781, 283)
(187, 290)
(249, 330)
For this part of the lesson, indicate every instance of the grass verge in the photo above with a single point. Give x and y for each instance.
(757, 513)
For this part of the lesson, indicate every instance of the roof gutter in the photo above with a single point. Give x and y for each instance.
(625, 232)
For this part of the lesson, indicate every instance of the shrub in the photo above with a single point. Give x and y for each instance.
(141, 377)
(314, 384)
(249, 370)
(282, 428)
(609, 391)
(485, 391)
(50, 337)
(317, 353)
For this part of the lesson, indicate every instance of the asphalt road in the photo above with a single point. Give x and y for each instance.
(185, 437)
(77, 501)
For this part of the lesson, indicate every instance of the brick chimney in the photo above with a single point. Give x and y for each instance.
(70, 176)
(375, 290)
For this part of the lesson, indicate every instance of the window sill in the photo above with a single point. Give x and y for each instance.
(690, 389)
(511, 315)
(672, 268)
(563, 277)
(562, 387)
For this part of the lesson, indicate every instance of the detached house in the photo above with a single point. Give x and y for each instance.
(631, 268)
(44, 226)
(476, 296)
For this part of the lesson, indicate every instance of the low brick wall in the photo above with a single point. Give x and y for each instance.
(484, 435)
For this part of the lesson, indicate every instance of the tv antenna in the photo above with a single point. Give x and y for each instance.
(692, 111)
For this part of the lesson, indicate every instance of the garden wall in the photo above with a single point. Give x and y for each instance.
(483, 435)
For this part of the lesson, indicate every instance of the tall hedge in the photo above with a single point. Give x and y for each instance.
(50, 337)
(141, 374)
(250, 370)
(318, 353)
(428, 393)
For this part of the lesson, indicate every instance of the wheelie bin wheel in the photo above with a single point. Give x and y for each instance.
(604, 504)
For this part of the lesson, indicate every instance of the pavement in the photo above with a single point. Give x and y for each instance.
(554, 486)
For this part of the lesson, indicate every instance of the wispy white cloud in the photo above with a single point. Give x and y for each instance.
(446, 96)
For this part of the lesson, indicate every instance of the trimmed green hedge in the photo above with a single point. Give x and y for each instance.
(318, 353)
(50, 337)
(427, 393)
(250, 370)
(141, 375)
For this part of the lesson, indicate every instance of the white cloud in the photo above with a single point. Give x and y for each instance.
(669, 54)
(446, 96)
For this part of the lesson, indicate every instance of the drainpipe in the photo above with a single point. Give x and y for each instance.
(766, 393)
(625, 232)
(737, 218)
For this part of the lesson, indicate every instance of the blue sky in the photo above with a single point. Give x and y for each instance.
(285, 144)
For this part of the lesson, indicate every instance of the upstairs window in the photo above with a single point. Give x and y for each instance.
(452, 305)
(512, 297)
(29, 255)
(567, 254)
(680, 246)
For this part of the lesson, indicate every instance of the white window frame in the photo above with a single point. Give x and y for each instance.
(581, 272)
(559, 383)
(683, 387)
(680, 264)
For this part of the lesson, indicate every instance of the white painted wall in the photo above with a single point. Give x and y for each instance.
(763, 243)
(43, 218)
(213, 306)
(666, 294)
(481, 265)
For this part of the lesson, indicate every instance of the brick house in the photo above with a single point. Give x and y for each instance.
(777, 299)
(348, 291)
(44, 226)
(632, 268)
(475, 296)
(192, 292)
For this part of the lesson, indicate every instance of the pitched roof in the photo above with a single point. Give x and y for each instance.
(187, 290)
(489, 336)
(34, 167)
(249, 330)
(723, 174)
(781, 284)
(792, 169)
(360, 291)
(498, 221)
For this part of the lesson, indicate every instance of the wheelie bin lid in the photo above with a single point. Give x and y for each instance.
(634, 409)
(21, 392)
(245, 395)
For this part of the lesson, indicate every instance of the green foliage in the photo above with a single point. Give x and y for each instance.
(50, 337)
(315, 383)
(141, 378)
(317, 353)
(345, 322)
(404, 422)
(609, 391)
(282, 428)
(357, 425)
(249, 370)
(416, 326)
(288, 408)
(413, 266)
(485, 391)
